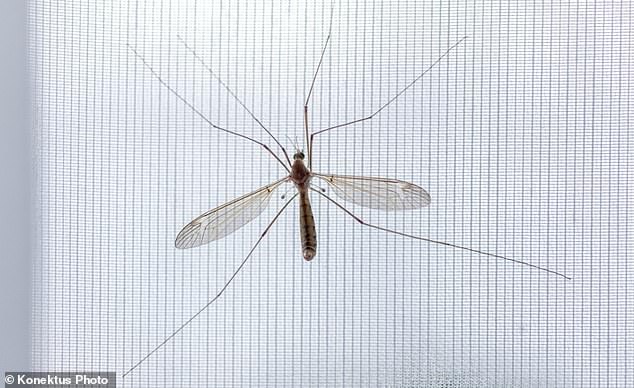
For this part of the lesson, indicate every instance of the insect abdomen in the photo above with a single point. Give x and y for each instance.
(307, 227)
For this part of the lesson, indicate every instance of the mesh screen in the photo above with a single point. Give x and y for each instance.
(522, 135)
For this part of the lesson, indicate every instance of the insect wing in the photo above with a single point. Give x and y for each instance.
(378, 193)
(226, 219)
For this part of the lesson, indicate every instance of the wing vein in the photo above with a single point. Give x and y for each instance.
(377, 193)
(227, 218)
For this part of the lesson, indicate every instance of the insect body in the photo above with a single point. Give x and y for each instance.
(300, 176)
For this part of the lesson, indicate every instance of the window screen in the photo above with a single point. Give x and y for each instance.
(521, 134)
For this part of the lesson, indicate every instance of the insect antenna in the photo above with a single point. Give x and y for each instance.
(294, 143)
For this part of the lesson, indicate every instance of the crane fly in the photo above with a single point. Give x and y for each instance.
(376, 193)
(371, 192)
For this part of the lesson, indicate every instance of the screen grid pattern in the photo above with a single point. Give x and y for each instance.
(522, 135)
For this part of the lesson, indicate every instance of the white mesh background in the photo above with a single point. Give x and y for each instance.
(522, 135)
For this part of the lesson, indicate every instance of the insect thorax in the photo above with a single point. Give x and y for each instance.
(299, 173)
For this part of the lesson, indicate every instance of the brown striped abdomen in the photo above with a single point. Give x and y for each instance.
(307, 226)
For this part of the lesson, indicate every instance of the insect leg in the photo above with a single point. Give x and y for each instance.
(309, 140)
(187, 322)
(199, 113)
(208, 68)
(359, 220)
(391, 99)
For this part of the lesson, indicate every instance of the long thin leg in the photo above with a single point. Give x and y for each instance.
(308, 139)
(202, 116)
(308, 147)
(187, 322)
(312, 136)
(208, 68)
(359, 220)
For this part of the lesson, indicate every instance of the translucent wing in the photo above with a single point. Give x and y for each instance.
(378, 193)
(226, 219)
